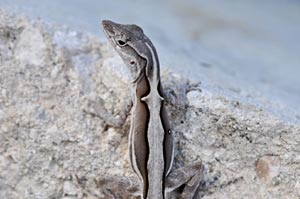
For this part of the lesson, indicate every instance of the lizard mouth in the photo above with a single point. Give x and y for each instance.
(108, 27)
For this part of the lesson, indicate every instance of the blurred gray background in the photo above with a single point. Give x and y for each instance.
(245, 50)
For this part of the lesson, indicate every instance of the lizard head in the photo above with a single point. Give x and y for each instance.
(122, 34)
(128, 41)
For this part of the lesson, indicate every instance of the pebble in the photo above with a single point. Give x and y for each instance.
(268, 167)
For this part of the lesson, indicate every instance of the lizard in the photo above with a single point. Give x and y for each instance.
(151, 142)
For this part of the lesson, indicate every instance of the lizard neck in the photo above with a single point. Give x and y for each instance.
(141, 87)
(152, 68)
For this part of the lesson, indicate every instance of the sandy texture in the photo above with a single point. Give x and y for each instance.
(51, 148)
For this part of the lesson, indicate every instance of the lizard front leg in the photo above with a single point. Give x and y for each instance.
(97, 109)
(184, 182)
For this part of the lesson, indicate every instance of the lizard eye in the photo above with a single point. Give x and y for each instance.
(132, 62)
(121, 43)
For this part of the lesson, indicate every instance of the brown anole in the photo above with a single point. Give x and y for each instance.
(151, 144)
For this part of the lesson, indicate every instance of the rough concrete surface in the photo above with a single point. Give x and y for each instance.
(52, 147)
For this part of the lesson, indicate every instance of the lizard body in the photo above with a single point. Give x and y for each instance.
(151, 143)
